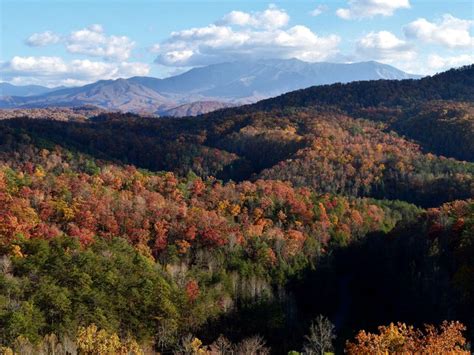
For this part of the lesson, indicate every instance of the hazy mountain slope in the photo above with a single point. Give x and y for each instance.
(108, 94)
(235, 82)
(7, 89)
(267, 77)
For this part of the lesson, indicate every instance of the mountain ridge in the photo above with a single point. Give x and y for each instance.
(7, 89)
(231, 83)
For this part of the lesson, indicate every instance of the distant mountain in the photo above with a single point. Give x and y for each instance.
(266, 78)
(234, 83)
(7, 89)
(117, 94)
(195, 108)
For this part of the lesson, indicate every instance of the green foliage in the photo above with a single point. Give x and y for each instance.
(62, 286)
(20, 318)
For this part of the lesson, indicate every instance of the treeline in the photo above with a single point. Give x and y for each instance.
(394, 338)
(454, 84)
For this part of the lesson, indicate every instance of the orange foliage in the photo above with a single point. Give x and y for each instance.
(405, 339)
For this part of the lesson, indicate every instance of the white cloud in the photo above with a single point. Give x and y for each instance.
(437, 63)
(91, 41)
(245, 36)
(42, 39)
(369, 8)
(271, 18)
(318, 10)
(54, 71)
(384, 46)
(94, 42)
(450, 31)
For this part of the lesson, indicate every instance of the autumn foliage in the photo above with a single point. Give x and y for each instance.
(163, 215)
(248, 221)
(405, 339)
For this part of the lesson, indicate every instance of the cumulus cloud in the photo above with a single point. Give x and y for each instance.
(449, 31)
(387, 48)
(438, 63)
(93, 41)
(42, 39)
(54, 71)
(369, 8)
(271, 18)
(241, 35)
(318, 10)
(384, 46)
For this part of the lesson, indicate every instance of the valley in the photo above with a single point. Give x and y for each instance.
(352, 201)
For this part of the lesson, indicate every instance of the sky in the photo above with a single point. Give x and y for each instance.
(74, 42)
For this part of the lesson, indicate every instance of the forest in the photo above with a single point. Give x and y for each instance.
(328, 220)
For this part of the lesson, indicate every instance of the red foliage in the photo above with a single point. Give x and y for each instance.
(192, 290)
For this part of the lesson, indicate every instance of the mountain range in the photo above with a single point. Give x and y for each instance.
(7, 89)
(205, 88)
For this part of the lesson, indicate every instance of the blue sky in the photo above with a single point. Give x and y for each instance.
(54, 42)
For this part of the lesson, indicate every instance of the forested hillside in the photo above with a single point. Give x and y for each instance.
(234, 230)
(326, 150)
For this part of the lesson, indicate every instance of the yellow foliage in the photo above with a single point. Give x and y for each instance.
(63, 209)
(39, 172)
(223, 205)
(6, 351)
(92, 341)
(16, 251)
(196, 346)
(234, 210)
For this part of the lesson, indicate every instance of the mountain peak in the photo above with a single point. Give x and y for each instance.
(233, 83)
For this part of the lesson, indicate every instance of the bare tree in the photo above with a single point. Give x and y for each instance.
(320, 337)
(221, 346)
(252, 346)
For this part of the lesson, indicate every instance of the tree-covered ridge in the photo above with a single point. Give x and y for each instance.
(444, 128)
(355, 157)
(326, 150)
(53, 192)
(454, 84)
